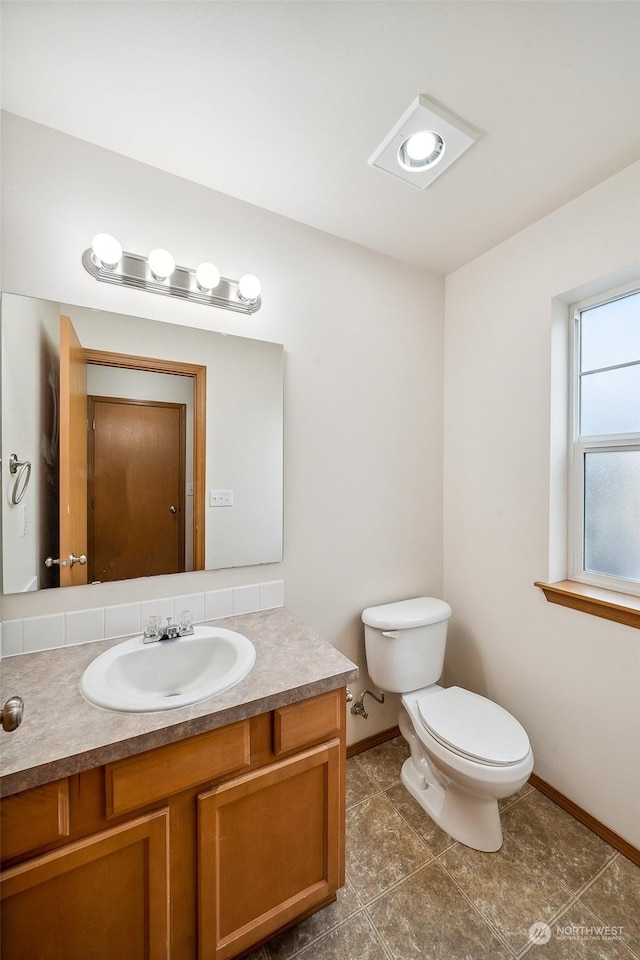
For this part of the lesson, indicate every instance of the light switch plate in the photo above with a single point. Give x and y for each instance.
(220, 498)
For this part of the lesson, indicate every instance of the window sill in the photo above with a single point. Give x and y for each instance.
(621, 607)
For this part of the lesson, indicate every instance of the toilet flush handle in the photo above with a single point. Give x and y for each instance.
(393, 634)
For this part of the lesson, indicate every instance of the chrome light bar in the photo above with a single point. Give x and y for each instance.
(132, 270)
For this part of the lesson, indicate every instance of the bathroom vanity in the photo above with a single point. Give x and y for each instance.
(195, 833)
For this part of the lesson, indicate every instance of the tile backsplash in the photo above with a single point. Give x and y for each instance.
(101, 623)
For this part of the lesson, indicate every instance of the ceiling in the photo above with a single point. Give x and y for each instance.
(282, 103)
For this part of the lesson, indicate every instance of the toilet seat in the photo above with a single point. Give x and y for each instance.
(473, 727)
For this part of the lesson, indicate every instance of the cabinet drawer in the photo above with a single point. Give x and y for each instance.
(309, 721)
(34, 818)
(166, 770)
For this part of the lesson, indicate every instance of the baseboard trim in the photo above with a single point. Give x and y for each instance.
(373, 741)
(613, 839)
(610, 836)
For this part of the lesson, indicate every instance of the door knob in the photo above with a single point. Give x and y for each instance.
(82, 559)
(173, 509)
(11, 714)
(50, 562)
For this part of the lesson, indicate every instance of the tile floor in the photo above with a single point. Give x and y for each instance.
(413, 892)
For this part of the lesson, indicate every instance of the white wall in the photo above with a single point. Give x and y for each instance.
(363, 372)
(572, 679)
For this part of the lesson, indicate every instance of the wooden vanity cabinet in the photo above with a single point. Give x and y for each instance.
(195, 850)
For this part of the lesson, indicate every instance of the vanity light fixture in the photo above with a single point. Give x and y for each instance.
(106, 261)
(423, 144)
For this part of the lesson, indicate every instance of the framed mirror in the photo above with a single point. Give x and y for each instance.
(140, 447)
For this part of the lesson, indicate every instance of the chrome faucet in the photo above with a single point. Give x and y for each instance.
(170, 631)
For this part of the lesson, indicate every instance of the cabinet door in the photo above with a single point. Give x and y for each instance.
(100, 897)
(269, 850)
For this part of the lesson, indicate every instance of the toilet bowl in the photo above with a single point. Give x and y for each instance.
(467, 752)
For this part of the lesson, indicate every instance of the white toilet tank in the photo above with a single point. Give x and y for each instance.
(405, 643)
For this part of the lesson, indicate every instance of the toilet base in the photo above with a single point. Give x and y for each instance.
(470, 818)
(474, 821)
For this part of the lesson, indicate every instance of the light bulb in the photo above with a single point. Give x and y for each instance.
(421, 145)
(420, 151)
(161, 263)
(105, 251)
(207, 276)
(249, 288)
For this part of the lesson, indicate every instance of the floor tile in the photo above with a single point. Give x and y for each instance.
(359, 784)
(577, 935)
(294, 939)
(509, 888)
(380, 848)
(420, 821)
(426, 916)
(354, 940)
(571, 852)
(615, 899)
(383, 763)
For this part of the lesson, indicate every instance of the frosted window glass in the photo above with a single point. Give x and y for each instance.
(610, 402)
(610, 333)
(612, 513)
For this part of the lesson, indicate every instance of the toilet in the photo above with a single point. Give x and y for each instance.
(466, 751)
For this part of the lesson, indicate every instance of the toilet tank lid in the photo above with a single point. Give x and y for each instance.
(405, 614)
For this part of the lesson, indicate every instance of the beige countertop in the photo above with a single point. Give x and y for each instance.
(62, 734)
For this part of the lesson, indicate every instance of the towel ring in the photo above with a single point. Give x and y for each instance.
(23, 470)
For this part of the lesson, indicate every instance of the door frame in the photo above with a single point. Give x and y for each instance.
(199, 376)
(72, 458)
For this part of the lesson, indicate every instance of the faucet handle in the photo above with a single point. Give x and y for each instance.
(152, 627)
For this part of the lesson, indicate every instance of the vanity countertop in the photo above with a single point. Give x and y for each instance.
(62, 734)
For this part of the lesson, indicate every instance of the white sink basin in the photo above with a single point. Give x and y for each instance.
(135, 676)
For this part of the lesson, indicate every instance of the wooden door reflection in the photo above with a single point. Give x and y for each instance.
(137, 453)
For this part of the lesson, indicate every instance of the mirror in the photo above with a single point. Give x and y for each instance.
(143, 446)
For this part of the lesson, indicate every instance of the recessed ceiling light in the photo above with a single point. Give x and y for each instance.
(425, 141)
(421, 150)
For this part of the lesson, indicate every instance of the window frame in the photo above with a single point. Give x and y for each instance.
(579, 446)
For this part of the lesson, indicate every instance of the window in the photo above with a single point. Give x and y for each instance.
(605, 475)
